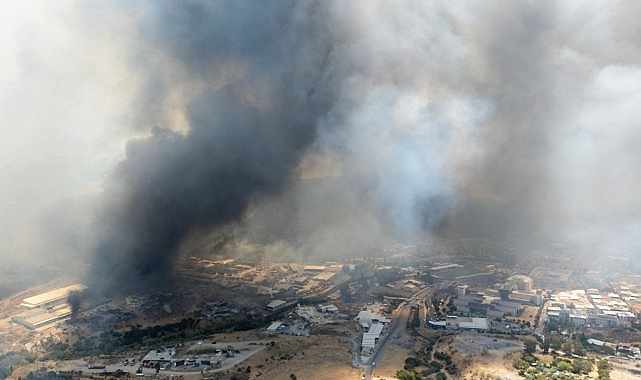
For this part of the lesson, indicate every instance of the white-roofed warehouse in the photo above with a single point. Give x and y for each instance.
(51, 298)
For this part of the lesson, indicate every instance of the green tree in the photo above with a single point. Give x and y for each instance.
(556, 341)
(521, 364)
(562, 365)
(405, 374)
(604, 368)
(582, 366)
(546, 345)
(530, 346)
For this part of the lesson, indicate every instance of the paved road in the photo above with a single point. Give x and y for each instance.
(397, 328)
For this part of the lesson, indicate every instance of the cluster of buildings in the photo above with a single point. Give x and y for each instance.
(374, 325)
(629, 292)
(305, 317)
(284, 281)
(46, 308)
(506, 299)
(480, 307)
(589, 308)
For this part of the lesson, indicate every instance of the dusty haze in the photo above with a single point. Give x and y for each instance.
(127, 127)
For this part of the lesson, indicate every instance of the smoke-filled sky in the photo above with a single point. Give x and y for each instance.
(128, 126)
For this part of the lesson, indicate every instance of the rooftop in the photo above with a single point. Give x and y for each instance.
(54, 295)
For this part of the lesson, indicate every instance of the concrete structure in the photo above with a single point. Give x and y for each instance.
(481, 305)
(505, 292)
(51, 298)
(373, 325)
(325, 277)
(327, 308)
(521, 282)
(367, 318)
(37, 318)
(371, 339)
(276, 305)
(467, 323)
(438, 325)
(461, 290)
(594, 309)
(274, 326)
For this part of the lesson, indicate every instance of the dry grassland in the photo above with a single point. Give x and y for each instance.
(313, 357)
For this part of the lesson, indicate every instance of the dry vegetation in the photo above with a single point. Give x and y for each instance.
(392, 361)
(528, 315)
(313, 357)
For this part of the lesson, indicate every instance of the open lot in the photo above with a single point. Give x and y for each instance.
(528, 315)
(484, 354)
(312, 357)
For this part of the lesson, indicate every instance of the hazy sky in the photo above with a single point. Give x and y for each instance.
(493, 118)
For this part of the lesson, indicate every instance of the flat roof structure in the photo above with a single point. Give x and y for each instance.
(369, 317)
(325, 276)
(51, 297)
(276, 305)
(467, 323)
(370, 337)
(274, 326)
(475, 323)
(33, 319)
(446, 266)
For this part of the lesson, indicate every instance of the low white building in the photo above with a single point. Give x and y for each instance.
(276, 305)
(467, 323)
(274, 326)
(368, 317)
(373, 325)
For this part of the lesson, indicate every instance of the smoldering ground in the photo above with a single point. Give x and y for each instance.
(457, 119)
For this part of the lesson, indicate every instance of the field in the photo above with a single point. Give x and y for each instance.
(486, 356)
(313, 357)
(528, 315)
(391, 362)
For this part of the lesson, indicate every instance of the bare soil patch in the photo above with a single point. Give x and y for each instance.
(312, 357)
(392, 361)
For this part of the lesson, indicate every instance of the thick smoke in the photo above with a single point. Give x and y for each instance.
(256, 96)
(322, 127)
(457, 120)
(74, 300)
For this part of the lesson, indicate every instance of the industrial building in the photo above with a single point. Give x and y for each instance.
(36, 318)
(52, 298)
(520, 282)
(276, 305)
(467, 323)
(373, 325)
(325, 277)
(481, 305)
(367, 318)
(371, 339)
(274, 326)
(46, 308)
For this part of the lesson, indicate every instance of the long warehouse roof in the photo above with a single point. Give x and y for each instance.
(53, 295)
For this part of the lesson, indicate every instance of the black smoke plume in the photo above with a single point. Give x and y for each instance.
(454, 119)
(252, 115)
(74, 300)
